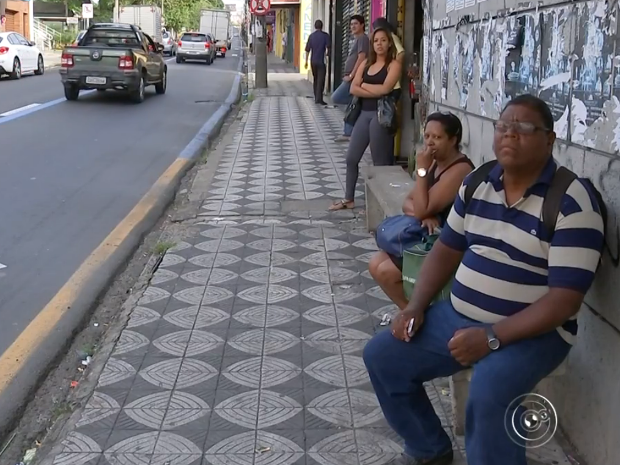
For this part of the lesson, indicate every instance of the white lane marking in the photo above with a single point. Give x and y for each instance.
(2, 266)
(234, 54)
(20, 109)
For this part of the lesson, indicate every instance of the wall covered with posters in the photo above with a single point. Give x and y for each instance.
(483, 54)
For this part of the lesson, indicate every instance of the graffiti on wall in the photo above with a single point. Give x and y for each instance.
(567, 55)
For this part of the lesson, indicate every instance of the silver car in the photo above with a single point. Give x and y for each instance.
(170, 46)
(196, 46)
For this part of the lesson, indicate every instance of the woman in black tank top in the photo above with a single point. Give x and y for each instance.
(375, 78)
(440, 171)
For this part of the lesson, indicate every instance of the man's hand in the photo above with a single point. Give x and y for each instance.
(347, 78)
(469, 345)
(400, 323)
(306, 65)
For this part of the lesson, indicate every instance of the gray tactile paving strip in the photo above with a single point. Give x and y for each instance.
(246, 348)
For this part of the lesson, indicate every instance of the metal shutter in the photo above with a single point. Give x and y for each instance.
(348, 9)
(363, 8)
(11, 21)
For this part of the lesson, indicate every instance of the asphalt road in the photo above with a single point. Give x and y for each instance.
(71, 171)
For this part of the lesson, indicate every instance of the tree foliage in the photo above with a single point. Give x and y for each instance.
(178, 14)
(181, 14)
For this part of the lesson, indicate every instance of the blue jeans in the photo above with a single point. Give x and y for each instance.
(397, 370)
(342, 96)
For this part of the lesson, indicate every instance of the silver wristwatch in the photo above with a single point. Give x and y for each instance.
(492, 340)
(422, 172)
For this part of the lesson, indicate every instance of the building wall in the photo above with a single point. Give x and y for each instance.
(568, 56)
(17, 18)
(305, 29)
(280, 30)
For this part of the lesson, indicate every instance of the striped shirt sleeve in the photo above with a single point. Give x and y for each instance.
(453, 232)
(577, 243)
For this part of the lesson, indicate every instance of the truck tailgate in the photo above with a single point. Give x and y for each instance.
(96, 61)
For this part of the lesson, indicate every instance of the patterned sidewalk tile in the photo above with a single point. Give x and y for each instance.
(246, 348)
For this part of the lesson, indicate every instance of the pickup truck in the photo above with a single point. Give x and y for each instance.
(114, 57)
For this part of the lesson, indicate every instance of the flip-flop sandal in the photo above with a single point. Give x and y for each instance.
(341, 205)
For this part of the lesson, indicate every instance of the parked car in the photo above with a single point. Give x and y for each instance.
(196, 46)
(18, 56)
(114, 57)
(170, 46)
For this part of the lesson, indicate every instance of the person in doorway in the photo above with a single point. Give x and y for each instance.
(383, 23)
(269, 40)
(441, 168)
(317, 48)
(512, 315)
(375, 78)
(358, 51)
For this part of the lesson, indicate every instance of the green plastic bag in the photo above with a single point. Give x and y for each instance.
(412, 264)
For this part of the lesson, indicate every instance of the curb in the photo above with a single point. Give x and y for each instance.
(29, 359)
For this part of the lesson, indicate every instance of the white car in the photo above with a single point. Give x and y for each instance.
(19, 56)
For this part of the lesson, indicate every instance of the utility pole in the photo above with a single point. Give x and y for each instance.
(260, 54)
(116, 11)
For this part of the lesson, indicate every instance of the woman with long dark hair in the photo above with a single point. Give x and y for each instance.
(375, 78)
(440, 170)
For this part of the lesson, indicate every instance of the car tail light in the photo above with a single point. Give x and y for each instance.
(66, 60)
(4, 50)
(207, 45)
(125, 62)
(180, 44)
(224, 49)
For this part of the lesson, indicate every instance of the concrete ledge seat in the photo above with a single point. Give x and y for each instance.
(386, 189)
(459, 386)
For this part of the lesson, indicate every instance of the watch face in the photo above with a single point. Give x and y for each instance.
(421, 172)
(494, 344)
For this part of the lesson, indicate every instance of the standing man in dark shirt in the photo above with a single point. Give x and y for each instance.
(318, 46)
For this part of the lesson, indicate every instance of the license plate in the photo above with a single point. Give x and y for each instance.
(96, 80)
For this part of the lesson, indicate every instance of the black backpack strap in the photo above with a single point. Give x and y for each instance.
(552, 204)
(476, 178)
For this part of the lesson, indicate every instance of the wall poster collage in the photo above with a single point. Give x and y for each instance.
(592, 68)
(536, 50)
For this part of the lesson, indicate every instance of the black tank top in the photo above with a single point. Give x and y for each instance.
(432, 179)
(370, 104)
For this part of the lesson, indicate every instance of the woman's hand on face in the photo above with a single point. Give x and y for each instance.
(431, 224)
(424, 158)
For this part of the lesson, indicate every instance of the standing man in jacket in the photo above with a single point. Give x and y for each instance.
(317, 48)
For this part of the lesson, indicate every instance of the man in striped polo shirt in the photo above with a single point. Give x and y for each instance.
(515, 298)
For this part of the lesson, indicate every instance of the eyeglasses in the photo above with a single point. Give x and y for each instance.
(519, 127)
